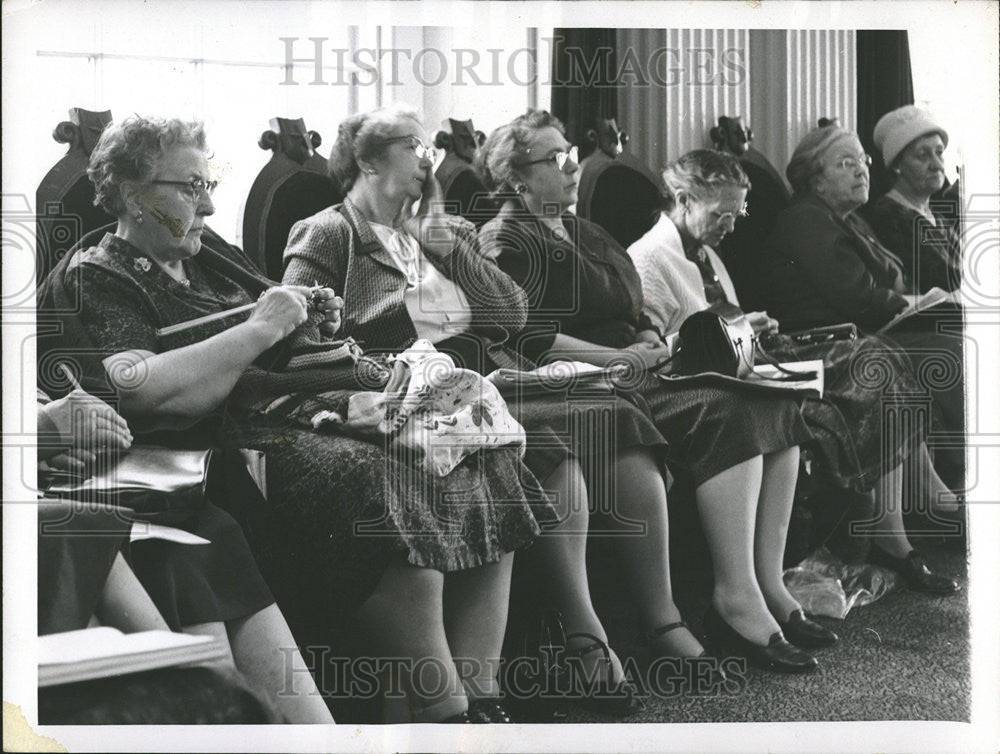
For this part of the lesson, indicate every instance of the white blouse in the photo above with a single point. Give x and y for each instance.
(671, 283)
(438, 307)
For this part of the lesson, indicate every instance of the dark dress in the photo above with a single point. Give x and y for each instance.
(930, 253)
(584, 283)
(338, 509)
(338, 248)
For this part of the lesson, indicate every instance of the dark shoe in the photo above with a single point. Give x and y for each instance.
(802, 632)
(487, 711)
(778, 655)
(461, 717)
(915, 572)
(618, 700)
(717, 675)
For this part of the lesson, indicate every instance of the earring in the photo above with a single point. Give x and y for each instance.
(138, 217)
(371, 171)
(520, 188)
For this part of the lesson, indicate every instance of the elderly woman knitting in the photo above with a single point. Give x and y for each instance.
(160, 267)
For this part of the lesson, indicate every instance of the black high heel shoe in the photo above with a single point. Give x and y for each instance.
(618, 700)
(803, 632)
(778, 655)
(915, 572)
(716, 676)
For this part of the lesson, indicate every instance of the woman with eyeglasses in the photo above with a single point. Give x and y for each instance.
(825, 266)
(740, 447)
(823, 263)
(681, 274)
(908, 223)
(139, 288)
(406, 274)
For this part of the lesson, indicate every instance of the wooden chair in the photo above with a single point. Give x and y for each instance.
(292, 186)
(621, 195)
(64, 201)
(740, 250)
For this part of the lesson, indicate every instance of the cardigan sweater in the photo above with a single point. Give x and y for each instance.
(672, 285)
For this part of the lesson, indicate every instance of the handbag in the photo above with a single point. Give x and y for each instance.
(160, 485)
(720, 339)
(716, 341)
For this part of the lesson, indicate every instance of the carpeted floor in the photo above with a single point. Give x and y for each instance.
(905, 657)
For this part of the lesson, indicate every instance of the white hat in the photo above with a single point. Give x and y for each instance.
(898, 128)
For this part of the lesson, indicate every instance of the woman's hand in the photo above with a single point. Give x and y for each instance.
(650, 353)
(647, 336)
(88, 425)
(280, 310)
(429, 225)
(761, 323)
(328, 302)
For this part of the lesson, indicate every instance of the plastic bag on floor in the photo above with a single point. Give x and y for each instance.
(823, 585)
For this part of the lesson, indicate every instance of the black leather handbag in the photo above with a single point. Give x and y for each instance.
(160, 485)
(716, 341)
(721, 340)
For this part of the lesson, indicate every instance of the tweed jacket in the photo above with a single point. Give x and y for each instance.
(337, 247)
(824, 270)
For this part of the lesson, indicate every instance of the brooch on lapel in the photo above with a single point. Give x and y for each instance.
(142, 264)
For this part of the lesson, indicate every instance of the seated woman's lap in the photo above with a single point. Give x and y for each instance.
(340, 509)
(710, 429)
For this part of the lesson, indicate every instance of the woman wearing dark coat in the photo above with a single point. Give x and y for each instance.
(740, 446)
(923, 233)
(826, 266)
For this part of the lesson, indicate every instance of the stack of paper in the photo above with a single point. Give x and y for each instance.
(103, 652)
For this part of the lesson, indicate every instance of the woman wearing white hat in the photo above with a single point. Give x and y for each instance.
(924, 237)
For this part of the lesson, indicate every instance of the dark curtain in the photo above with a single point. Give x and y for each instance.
(584, 85)
(885, 82)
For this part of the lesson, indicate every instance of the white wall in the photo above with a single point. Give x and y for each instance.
(780, 81)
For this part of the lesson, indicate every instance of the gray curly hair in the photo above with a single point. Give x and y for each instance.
(701, 173)
(128, 151)
(496, 160)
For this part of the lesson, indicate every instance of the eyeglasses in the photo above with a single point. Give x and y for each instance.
(421, 150)
(197, 187)
(853, 163)
(559, 159)
(726, 217)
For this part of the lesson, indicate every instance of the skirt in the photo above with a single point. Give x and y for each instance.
(77, 545)
(592, 428)
(710, 428)
(340, 509)
(192, 584)
(860, 427)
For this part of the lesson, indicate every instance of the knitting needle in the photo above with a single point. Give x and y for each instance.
(69, 376)
(182, 326)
